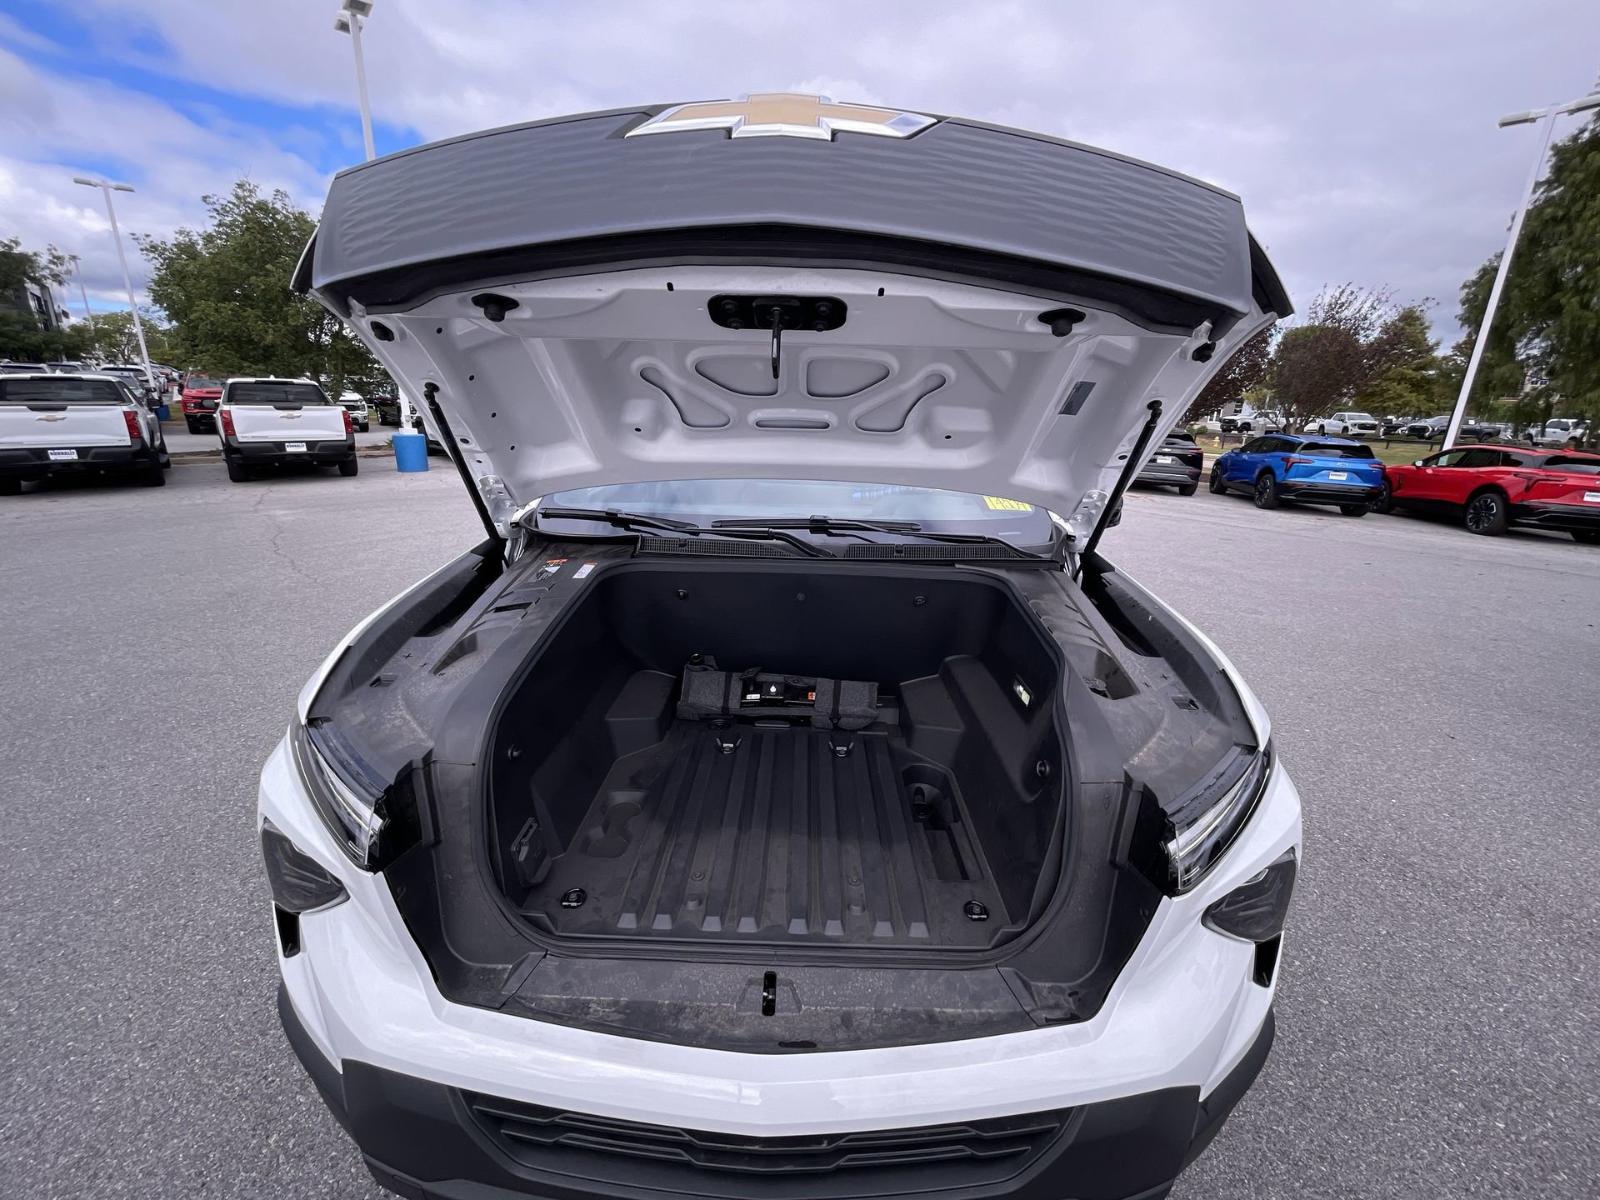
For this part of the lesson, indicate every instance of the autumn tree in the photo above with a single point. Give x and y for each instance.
(1354, 348)
(1244, 372)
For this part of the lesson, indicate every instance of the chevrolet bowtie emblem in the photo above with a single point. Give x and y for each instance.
(52, 417)
(785, 114)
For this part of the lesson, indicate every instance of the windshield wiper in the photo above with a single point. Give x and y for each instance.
(616, 517)
(822, 524)
(666, 526)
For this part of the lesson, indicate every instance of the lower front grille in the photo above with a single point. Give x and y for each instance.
(886, 1160)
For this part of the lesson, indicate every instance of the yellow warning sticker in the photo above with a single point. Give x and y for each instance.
(1000, 504)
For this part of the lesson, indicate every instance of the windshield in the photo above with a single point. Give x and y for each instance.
(275, 393)
(197, 382)
(701, 501)
(61, 389)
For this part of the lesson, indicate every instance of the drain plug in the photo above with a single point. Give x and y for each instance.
(573, 898)
(975, 910)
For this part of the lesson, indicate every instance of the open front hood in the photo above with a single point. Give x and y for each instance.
(960, 306)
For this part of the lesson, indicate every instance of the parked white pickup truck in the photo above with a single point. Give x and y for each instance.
(1569, 432)
(71, 424)
(272, 422)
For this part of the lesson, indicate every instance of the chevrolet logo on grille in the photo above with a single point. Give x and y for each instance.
(785, 114)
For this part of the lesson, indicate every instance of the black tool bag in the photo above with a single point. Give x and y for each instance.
(825, 703)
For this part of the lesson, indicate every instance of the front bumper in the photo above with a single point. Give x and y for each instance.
(1557, 516)
(430, 1141)
(257, 454)
(1317, 492)
(1146, 1080)
(32, 463)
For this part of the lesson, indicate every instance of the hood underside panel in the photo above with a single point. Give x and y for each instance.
(625, 377)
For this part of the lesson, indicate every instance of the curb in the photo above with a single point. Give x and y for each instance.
(196, 456)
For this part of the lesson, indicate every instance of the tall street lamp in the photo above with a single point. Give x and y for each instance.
(350, 19)
(1546, 116)
(106, 188)
(88, 313)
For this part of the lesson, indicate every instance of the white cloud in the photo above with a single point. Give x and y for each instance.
(1361, 135)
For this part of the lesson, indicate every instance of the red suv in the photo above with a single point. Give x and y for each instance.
(201, 394)
(1491, 488)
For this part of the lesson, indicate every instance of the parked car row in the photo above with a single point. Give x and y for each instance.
(100, 423)
(1487, 488)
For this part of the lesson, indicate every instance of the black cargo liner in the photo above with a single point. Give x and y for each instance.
(772, 832)
(931, 832)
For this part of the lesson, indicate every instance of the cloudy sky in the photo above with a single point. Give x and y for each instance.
(1361, 133)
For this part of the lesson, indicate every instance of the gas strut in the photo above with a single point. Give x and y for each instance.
(1129, 470)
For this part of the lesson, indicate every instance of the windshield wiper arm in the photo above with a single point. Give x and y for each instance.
(820, 524)
(617, 518)
(666, 526)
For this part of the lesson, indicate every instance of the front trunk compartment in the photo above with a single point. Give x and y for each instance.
(925, 821)
(1008, 736)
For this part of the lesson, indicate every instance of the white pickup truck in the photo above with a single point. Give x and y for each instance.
(1568, 432)
(53, 425)
(272, 422)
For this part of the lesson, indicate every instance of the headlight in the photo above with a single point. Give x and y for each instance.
(299, 882)
(1256, 910)
(1205, 824)
(353, 814)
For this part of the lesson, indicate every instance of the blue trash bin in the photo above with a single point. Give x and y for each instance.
(410, 452)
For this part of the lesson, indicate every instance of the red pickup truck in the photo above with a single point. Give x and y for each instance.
(201, 394)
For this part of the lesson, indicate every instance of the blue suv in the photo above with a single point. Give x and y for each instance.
(1313, 470)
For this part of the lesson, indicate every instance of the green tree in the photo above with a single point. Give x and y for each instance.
(17, 264)
(1404, 365)
(1544, 348)
(226, 290)
(114, 340)
(22, 337)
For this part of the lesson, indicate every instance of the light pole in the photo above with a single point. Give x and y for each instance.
(88, 313)
(106, 188)
(1547, 117)
(352, 16)
(350, 19)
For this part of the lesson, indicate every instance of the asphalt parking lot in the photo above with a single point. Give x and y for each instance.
(1436, 696)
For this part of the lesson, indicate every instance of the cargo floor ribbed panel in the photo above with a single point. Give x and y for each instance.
(779, 839)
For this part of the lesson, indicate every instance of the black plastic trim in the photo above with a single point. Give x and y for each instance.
(1217, 1106)
(325, 1074)
(400, 288)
